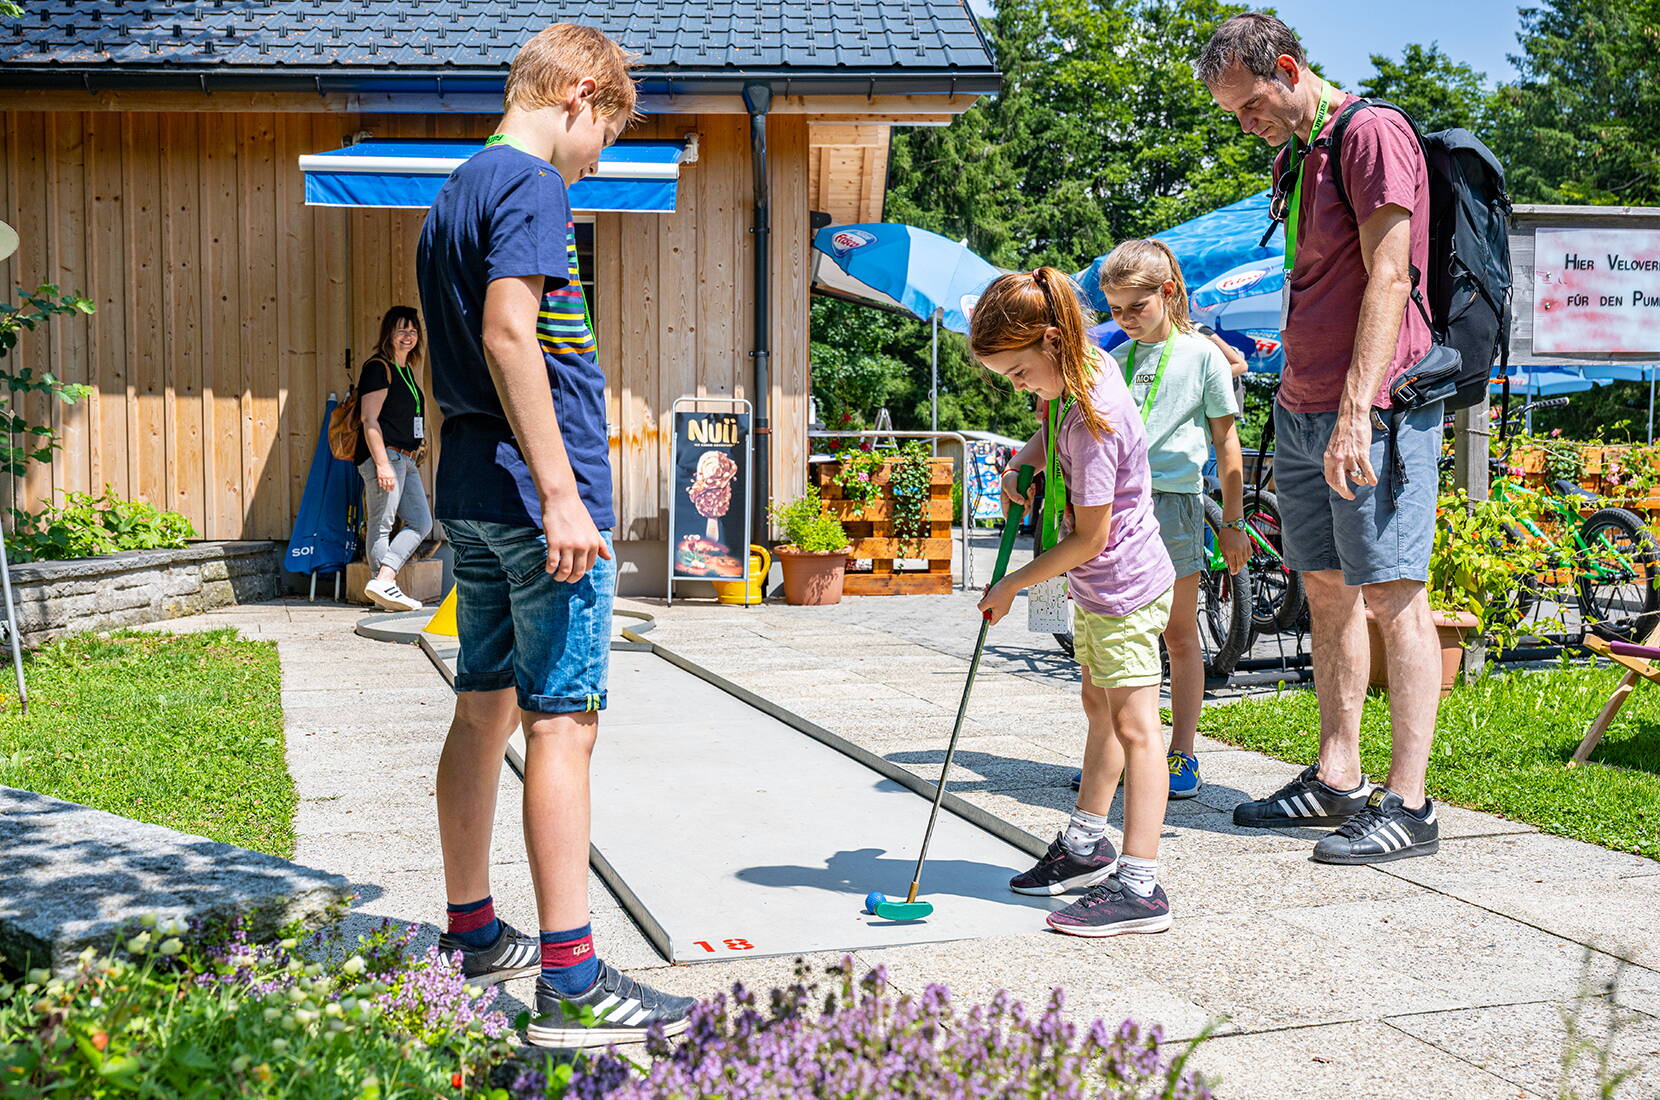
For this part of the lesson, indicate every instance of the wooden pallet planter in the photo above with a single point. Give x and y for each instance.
(874, 566)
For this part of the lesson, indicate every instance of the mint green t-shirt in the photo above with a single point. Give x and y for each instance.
(1197, 386)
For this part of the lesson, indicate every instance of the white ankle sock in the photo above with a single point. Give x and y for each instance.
(1139, 876)
(1084, 832)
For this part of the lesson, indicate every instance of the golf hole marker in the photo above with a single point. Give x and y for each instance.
(730, 945)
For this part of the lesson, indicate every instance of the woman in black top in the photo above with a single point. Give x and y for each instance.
(394, 425)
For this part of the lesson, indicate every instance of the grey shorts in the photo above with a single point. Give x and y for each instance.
(1181, 519)
(1386, 531)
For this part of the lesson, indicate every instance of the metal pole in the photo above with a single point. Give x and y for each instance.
(11, 627)
(934, 373)
(1651, 405)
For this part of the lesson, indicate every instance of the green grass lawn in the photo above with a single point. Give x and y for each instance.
(180, 730)
(1501, 745)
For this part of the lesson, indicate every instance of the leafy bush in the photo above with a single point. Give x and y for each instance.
(808, 527)
(85, 526)
(170, 1016)
(862, 1040)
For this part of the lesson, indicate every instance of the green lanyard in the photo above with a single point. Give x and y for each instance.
(408, 377)
(1054, 485)
(1158, 375)
(1299, 155)
(510, 140)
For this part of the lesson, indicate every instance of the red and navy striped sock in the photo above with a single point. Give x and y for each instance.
(568, 960)
(475, 923)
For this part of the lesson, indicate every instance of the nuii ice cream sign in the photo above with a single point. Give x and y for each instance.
(1596, 290)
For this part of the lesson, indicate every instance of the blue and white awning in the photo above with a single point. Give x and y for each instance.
(634, 176)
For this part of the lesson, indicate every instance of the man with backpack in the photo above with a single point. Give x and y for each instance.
(1355, 461)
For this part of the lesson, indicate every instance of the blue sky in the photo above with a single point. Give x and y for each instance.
(1341, 37)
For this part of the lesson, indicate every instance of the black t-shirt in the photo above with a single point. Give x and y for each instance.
(397, 414)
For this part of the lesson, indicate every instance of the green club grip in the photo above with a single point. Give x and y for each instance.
(1011, 525)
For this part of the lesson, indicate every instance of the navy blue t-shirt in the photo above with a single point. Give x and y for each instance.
(505, 214)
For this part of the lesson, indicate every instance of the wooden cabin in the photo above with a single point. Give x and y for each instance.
(149, 157)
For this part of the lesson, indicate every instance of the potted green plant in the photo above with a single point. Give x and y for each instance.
(1475, 567)
(814, 552)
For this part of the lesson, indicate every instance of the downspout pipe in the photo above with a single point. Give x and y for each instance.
(758, 101)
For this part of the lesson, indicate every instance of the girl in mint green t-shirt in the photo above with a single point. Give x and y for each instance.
(1184, 388)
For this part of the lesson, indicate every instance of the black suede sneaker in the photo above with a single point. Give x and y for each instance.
(1303, 801)
(1059, 870)
(511, 955)
(1112, 909)
(615, 1009)
(1381, 832)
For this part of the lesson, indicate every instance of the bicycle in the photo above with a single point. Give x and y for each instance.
(1278, 602)
(1612, 557)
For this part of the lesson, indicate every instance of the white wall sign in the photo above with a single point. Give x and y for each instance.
(1596, 290)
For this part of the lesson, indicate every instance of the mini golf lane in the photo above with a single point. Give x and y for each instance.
(728, 833)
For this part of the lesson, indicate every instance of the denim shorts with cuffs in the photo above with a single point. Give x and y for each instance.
(1385, 533)
(520, 628)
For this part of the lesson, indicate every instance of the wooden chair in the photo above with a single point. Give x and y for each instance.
(1638, 661)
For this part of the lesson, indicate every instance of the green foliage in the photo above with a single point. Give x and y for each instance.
(85, 526)
(1475, 567)
(1501, 746)
(1438, 92)
(910, 476)
(1617, 413)
(1582, 124)
(808, 527)
(183, 731)
(38, 440)
(171, 1015)
(857, 472)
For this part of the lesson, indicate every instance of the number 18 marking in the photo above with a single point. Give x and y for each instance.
(731, 945)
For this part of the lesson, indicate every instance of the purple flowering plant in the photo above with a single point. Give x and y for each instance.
(862, 1039)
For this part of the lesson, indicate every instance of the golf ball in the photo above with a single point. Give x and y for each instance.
(872, 899)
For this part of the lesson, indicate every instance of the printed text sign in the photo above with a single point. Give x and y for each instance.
(1596, 290)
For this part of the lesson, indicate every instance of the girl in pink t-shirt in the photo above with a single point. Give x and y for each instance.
(1029, 328)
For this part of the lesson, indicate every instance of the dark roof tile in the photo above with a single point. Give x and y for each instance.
(670, 35)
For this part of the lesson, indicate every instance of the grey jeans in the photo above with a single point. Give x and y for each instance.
(407, 502)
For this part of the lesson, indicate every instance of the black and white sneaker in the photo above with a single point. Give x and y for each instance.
(1381, 832)
(1059, 870)
(616, 1009)
(512, 955)
(1303, 801)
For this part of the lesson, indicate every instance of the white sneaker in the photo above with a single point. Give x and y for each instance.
(388, 595)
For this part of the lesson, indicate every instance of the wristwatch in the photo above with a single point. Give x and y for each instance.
(1238, 524)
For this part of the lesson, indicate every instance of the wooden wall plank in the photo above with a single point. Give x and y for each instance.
(183, 301)
(641, 441)
(68, 338)
(107, 272)
(331, 272)
(299, 413)
(147, 352)
(264, 370)
(678, 357)
(718, 190)
(37, 244)
(787, 164)
(221, 241)
(608, 334)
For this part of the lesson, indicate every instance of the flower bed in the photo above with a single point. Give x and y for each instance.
(895, 507)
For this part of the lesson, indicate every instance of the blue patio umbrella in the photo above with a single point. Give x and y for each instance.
(324, 537)
(934, 278)
(1243, 306)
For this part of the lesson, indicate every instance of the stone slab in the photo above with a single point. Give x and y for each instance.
(78, 877)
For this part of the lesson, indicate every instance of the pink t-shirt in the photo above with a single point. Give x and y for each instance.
(1383, 164)
(1134, 569)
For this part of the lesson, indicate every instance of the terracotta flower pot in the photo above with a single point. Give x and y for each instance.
(812, 579)
(1450, 629)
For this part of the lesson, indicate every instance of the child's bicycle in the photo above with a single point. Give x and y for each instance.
(1278, 602)
(1611, 555)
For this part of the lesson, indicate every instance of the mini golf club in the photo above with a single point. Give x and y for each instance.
(912, 909)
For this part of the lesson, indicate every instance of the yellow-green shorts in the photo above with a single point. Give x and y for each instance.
(1121, 651)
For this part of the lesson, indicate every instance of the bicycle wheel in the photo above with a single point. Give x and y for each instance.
(1518, 602)
(1277, 597)
(1224, 605)
(1618, 576)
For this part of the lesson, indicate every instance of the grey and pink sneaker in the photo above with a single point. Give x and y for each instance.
(1112, 910)
(1059, 870)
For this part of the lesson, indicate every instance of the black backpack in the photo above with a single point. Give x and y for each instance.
(1469, 247)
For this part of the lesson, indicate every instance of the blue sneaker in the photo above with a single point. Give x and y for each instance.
(1184, 775)
(1077, 781)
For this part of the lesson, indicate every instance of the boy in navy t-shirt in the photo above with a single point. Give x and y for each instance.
(524, 490)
